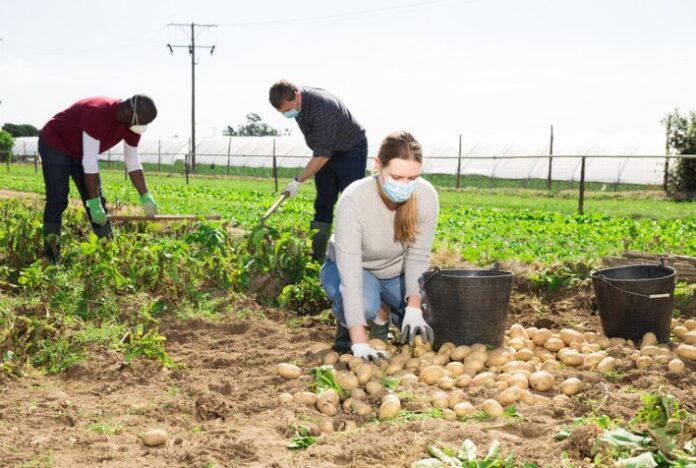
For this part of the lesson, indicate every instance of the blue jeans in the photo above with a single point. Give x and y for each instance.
(375, 291)
(342, 169)
(58, 169)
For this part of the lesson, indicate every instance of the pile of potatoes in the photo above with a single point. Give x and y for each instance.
(527, 369)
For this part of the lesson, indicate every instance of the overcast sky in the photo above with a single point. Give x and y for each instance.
(436, 68)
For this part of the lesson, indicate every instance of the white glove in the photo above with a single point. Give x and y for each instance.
(367, 353)
(292, 188)
(414, 324)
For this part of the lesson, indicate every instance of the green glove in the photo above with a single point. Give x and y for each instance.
(96, 210)
(149, 205)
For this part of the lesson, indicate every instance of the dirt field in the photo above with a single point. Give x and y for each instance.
(220, 406)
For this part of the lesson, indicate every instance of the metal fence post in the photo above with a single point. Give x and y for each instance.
(186, 163)
(36, 163)
(665, 180)
(229, 148)
(548, 179)
(581, 201)
(159, 155)
(8, 156)
(459, 161)
(275, 166)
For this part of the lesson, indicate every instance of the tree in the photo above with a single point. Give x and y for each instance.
(254, 126)
(6, 145)
(681, 139)
(21, 130)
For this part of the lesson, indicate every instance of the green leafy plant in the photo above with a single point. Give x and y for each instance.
(468, 457)
(324, 379)
(301, 440)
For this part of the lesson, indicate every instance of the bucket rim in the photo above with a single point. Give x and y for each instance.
(487, 273)
(671, 272)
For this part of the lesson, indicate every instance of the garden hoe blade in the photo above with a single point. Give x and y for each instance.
(274, 207)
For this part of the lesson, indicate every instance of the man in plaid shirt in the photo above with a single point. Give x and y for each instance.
(338, 144)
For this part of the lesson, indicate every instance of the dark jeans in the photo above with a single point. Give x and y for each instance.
(342, 169)
(57, 170)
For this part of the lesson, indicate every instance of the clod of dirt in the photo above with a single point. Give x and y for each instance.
(211, 406)
(582, 439)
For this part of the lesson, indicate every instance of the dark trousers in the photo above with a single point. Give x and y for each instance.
(342, 169)
(58, 169)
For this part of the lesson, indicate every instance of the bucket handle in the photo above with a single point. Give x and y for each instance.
(647, 296)
(428, 275)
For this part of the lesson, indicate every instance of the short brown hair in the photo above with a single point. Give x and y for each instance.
(281, 91)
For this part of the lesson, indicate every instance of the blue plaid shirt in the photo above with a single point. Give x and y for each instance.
(327, 124)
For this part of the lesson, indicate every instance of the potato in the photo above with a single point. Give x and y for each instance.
(541, 381)
(554, 344)
(680, 331)
(378, 344)
(356, 363)
(412, 364)
(305, 398)
(326, 426)
(476, 356)
(361, 408)
(527, 397)
(509, 396)
(649, 350)
(364, 374)
(661, 359)
(630, 344)
(358, 394)
(517, 343)
(607, 364)
(649, 339)
(551, 366)
(463, 381)
(514, 367)
(676, 366)
(285, 398)
(540, 337)
(350, 426)
(345, 358)
(408, 380)
(392, 368)
(329, 396)
(492, 408)
(690, 324)
(348, 403)
(483, 378)
(560, 400)
(524, 354)
(288, 371)
(602, 340)
(155, 437)
(441, 360)
(449, 415)
(497, 386)
(455, 368)
(454, 397)
(519, 380)
(686, 351)
(617, 342)
(348, 381)
(503, 378)
(440, 400)
(643, 362)
(373, 387)
(592, 360)
(460, 353)
(445, 383)
(571, 336)
(690, 338)
(590, 348)
(474, 365)
(477, 347)
(431, 375)
(331, 358)
(571, 386)
(389, 408)
(498, 358)
(463, 409)
(518, 331)
(572, 358)
(327, 408)
(447, 346)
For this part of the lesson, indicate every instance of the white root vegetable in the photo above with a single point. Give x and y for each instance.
(492, 408)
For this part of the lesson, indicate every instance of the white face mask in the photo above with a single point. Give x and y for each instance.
(135, 125)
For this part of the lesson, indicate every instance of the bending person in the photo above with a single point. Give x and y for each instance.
(385, 225)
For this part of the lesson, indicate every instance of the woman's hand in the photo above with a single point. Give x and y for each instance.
(414, 324)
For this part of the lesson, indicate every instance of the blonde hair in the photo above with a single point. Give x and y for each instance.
(402, 145)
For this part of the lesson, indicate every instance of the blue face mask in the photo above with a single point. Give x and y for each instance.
(398, 192)
(291, 114)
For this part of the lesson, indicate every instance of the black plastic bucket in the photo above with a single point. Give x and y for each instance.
(468, 306)
(634, 300)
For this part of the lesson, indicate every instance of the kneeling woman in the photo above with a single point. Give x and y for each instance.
(384, 232)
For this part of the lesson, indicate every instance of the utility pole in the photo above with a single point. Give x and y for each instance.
(192, 51)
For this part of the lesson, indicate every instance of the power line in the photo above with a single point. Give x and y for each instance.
(191, 46)
(353, 14)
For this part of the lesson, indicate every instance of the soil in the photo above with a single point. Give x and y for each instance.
(220, 406)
